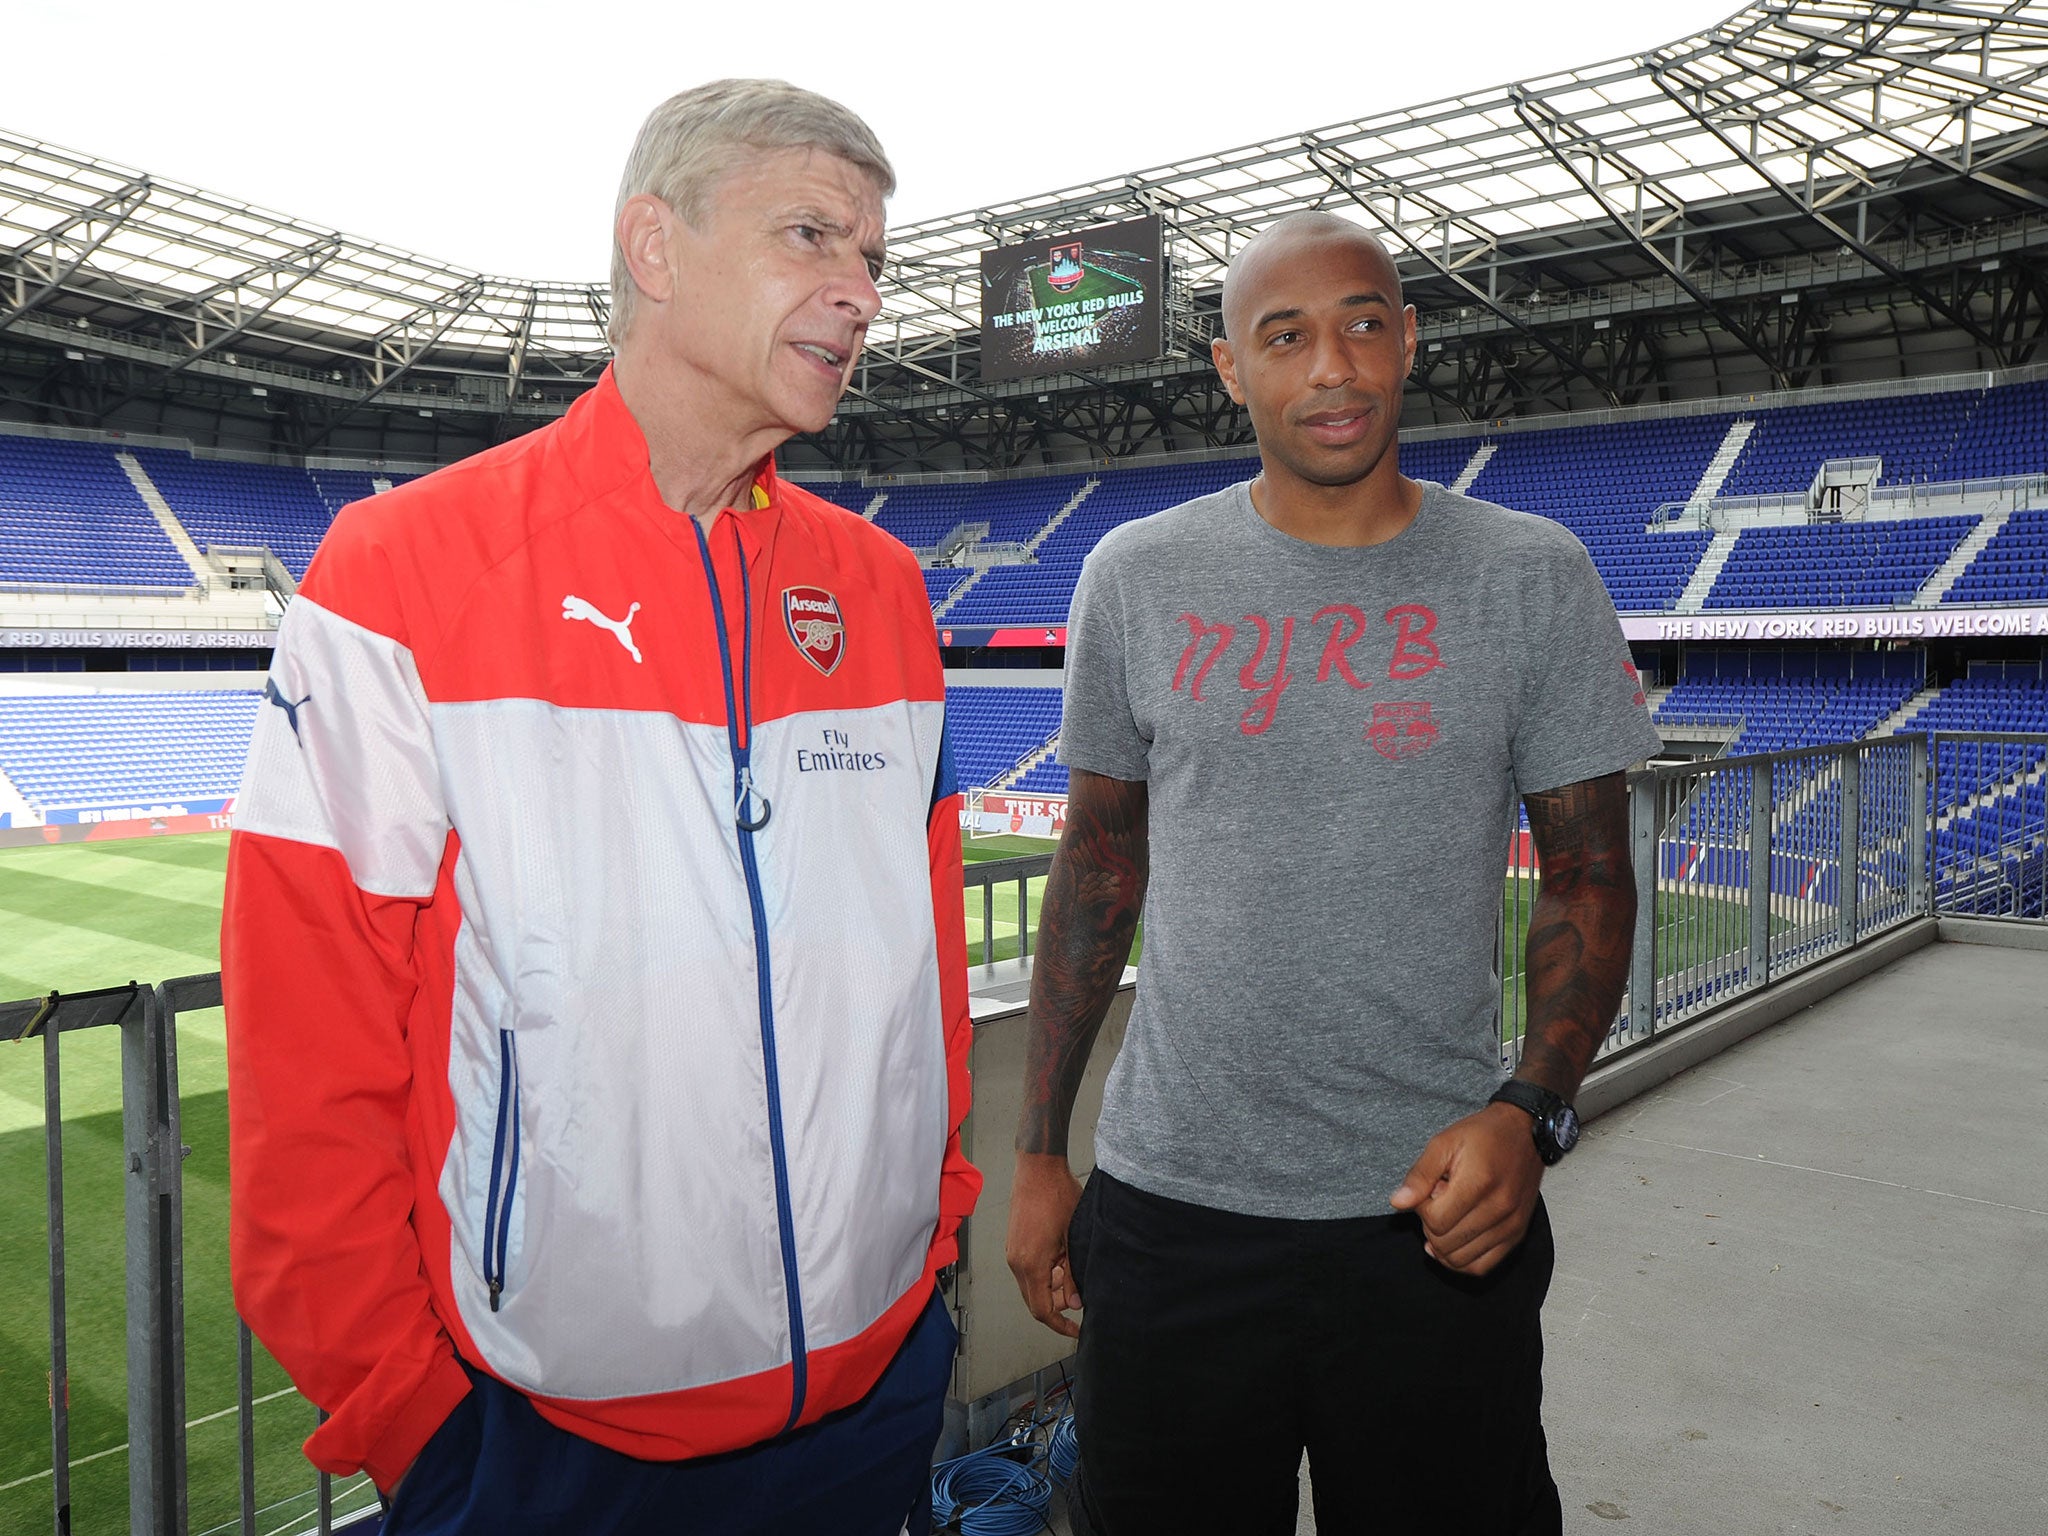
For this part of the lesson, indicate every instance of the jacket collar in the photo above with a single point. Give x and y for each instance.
(607, 451)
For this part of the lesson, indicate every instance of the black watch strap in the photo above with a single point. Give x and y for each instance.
(1521, 1093)
(1556, 1126)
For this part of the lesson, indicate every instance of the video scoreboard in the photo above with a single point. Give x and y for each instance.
(1082, 300)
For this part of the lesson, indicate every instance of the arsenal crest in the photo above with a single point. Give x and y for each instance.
(816, 629)
(1398, 731)
(1066, 270)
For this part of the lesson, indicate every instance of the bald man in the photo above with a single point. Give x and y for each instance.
(1298, 715)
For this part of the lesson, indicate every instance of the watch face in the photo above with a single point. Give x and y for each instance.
(1564, 1129)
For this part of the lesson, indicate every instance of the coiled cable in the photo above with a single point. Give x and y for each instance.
(991, 1492)
(1062, 1450)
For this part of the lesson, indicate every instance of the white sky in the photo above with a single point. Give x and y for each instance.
(492, 135)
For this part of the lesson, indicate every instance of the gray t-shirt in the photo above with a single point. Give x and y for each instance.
(1333, 741)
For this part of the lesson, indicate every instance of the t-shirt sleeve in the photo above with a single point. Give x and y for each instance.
(1583, 709)
(1098, 732)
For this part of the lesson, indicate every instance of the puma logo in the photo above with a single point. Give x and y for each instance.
(291, 709)
(622, 629)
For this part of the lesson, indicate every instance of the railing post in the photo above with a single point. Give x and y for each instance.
(171, 1216)
(1760, 807)
(988, 924)
(245, 1404)
(1642, 970)
(1920, 822)
(1849, 845)
(60, 1367)
(156, 1397)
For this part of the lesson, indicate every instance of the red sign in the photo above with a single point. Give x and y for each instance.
(1040, 815)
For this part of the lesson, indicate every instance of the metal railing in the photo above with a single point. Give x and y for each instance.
(1748, 870)
(1988, 825)
(153, 1280)
(1006, 926)
(2001, 493)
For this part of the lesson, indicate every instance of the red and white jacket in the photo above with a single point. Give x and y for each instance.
(594, 959)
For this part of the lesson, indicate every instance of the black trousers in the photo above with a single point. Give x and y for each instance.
(1216, 1348)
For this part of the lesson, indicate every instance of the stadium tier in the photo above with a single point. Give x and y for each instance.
(1877, 564)
(922, 515)
(939, 582)
(125, 749)
(274, 505)
(1791, 698)
(1047, 778)
(1603, 482)
(1606, 482)
(336, 488)
(850, 494)
(1040, 593)
(990, 730)
(2006, 435)
(69, 515)
(1915, 436)
(1990, 699)
(2012, 567)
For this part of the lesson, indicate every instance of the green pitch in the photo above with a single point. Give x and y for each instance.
(87, 915)
(1096, 283)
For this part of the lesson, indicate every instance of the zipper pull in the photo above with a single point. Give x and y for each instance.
(744, 792)
(497, 1287)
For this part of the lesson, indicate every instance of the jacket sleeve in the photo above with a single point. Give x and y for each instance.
(341, 841)
(959, 1180)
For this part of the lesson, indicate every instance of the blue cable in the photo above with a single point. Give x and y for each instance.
(990, 1493)
(1062, 1450)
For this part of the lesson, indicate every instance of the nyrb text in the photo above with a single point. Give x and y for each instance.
(1413, 653)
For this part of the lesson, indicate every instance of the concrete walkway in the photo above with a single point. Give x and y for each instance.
(1804, 1287)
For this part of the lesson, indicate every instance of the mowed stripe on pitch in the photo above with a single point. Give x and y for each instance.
(87, 915)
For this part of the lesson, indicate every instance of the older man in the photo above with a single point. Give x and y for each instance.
(1298, 713)
(595, 977)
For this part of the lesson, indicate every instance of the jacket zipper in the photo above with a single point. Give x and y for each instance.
(739, 725)
(505, 1164)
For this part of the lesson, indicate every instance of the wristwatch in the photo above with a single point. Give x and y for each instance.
(1557, 1123)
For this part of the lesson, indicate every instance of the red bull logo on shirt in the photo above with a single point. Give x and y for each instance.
(1401, 730)
(815, 626)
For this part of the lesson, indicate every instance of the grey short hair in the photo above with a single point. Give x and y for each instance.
(692, 139)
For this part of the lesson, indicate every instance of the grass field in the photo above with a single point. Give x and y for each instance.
(87, 915)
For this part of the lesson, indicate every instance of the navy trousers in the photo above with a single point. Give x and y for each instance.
(497, 1468)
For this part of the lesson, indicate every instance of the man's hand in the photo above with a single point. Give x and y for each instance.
(1042, 1201)
(1475, 1189)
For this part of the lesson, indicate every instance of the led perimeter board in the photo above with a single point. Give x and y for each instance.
(1073, 301)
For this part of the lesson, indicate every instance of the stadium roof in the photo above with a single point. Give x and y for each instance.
(1773, 153)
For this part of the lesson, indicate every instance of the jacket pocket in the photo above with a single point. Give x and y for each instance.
(504, 1186)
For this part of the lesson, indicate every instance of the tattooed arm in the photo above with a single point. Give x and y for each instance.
(1475, 1184)
(1581, 931)
(1090, 913)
